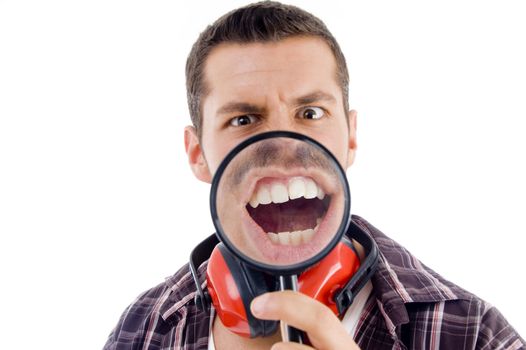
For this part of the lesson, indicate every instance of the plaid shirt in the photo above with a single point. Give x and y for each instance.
(411, 307)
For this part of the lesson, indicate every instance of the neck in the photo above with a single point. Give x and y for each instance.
(359, 249)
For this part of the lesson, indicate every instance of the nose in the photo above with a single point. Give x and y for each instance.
(280, 119)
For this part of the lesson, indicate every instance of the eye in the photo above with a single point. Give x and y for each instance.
(312, 113)
(243, 120)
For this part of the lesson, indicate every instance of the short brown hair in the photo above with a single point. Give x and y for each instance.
(265, 21)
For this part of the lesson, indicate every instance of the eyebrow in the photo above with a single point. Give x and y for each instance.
(249, 108)
(314, 97)
(240, 107)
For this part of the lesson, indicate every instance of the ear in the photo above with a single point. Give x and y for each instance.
(196, 157)
(352, 115)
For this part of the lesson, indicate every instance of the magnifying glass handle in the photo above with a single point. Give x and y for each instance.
(289, 333)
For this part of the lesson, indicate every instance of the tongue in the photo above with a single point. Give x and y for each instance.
(294, 215)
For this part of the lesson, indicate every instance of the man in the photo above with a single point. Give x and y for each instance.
(267, 67)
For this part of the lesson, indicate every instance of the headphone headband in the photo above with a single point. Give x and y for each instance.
(198, 256)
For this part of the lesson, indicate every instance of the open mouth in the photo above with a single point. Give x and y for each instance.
(288, 210)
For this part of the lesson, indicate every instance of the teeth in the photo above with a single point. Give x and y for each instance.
(263, 196)
(279, 192)
(307, 235)
(284, 238)
(292, 238)
(311, 190)
(254, 201)
(273, 237)
(296, 188)
(296, 237)
(321, 194)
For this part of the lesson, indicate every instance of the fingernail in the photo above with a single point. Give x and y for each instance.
(258, 305)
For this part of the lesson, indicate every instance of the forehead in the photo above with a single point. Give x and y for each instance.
(291, 66)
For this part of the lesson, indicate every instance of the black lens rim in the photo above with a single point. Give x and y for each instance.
(279, 269)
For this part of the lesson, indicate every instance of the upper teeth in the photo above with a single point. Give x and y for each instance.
(280, 192)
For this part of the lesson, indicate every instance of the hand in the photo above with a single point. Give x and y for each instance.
(324, 329)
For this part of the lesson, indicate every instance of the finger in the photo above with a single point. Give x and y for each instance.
(323, 327)
(290, 346)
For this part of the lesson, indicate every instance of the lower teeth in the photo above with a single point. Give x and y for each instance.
(293, 238)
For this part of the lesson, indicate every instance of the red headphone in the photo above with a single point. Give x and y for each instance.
(232, 284)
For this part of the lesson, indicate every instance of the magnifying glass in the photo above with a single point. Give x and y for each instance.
(280, 203)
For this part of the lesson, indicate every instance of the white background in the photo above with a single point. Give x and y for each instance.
(97, 203)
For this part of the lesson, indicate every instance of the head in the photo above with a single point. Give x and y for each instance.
(266, 66)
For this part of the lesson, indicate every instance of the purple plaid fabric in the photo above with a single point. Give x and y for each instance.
(411, 307)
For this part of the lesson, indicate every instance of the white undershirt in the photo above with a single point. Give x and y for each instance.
(353, 313)
(349, 321)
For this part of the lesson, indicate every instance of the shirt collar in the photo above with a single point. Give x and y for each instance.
(181, 292)
(401, 279)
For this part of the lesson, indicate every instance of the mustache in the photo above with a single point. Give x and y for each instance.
(268, 153)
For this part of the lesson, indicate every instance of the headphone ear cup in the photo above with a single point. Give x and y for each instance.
(330, 275)
(232, 286)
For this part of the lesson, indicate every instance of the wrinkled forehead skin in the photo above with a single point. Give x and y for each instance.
(270, 78)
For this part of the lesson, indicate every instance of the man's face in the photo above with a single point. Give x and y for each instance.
(258, 87)
(288, 85)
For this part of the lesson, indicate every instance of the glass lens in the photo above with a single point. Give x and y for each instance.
(280, 201)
